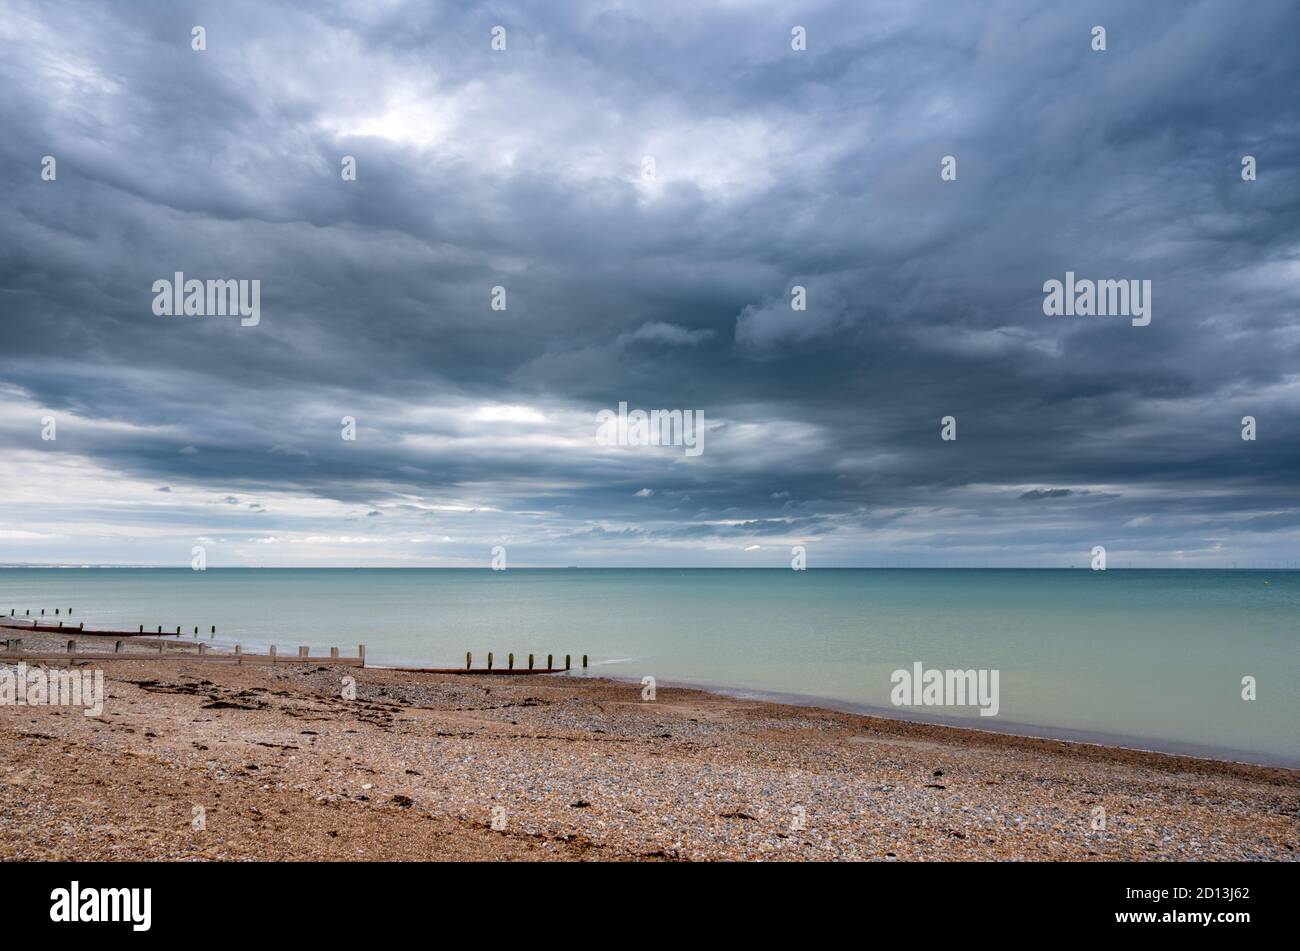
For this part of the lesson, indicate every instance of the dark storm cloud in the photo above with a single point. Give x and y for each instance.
(774, 169)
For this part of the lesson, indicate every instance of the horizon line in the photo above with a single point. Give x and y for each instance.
(1084, 567)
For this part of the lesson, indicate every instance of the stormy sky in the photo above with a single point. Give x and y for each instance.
(665, 288)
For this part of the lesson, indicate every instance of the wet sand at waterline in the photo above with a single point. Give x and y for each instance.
(283, 767)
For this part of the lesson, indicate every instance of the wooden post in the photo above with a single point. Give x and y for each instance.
(584, 661)
(512, 660)
(530, 661)
(161, 645)
(361, 652)
(334, 652)
(549, 665)
(567, 665)
(72, 647)
(117, 647)
(273, 653)
(489, 660)
(469, 660)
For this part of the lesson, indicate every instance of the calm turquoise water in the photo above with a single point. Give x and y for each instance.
(1149, 658)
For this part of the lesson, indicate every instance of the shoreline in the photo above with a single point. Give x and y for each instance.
(1011, 728)
(187, 643)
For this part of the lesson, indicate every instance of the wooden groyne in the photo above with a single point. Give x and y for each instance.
(32, 657)
(11, 652)
(28, 622)
(509, 670)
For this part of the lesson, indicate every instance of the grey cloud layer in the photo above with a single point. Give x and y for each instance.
(775, 168)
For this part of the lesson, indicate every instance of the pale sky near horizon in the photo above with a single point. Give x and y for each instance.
(524, 168)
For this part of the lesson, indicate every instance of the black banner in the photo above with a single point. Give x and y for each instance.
(230, 901)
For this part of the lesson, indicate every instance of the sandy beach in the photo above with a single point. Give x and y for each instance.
(275, 763)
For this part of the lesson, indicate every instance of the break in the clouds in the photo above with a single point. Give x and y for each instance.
(665, 285)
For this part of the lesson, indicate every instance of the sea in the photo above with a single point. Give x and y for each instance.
(1202, 662)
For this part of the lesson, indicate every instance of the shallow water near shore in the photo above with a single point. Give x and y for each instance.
(1153, 657)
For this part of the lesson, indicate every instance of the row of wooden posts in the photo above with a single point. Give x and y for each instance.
(211, 633)
(510, 660)
(212, 630)
(13, 645)
(302, 651)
